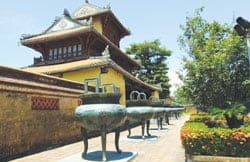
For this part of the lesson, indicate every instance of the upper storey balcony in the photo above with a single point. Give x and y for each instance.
(62, 54)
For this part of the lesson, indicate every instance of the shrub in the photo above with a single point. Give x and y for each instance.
(247, 120)
(207, 119)
(199, 117)
(234, 114)
(198, 139)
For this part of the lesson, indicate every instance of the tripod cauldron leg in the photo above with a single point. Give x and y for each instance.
(143, 128)
(128, 128)
(148, 125)
(85, 140)
(161, 119)
(103, 138)
(117, 136)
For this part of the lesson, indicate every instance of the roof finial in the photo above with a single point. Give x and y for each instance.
(86, 1)
(90, 21)
(109, 6)
(106, 52)
(66, 13)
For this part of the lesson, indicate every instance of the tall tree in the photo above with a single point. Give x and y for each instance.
(180, 96)
(153, 59)
(217, 65)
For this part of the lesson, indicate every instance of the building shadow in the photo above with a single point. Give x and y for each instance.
(137, 137)
(111, 156)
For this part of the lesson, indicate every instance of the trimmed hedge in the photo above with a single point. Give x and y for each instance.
(208, 120)
(199, 117)
(198, 139)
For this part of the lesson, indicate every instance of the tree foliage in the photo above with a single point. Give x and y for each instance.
(217, 65)
(181, 96)
(153, 59)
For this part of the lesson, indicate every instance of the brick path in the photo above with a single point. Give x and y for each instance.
(167, 148)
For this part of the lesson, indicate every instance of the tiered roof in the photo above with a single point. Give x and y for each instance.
(79, 24)
(76, 21)
(62, 34)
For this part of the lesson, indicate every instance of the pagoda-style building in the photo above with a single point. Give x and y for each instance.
(84, 44)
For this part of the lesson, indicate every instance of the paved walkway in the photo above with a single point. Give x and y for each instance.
(166, 148)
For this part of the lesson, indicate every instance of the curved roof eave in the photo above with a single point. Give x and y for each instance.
(55, 35)
(71, 32)
(87, 64)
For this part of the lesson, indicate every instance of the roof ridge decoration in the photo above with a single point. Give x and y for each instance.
(66, 13)
(88, 9)
(108, 6)
(62, 23)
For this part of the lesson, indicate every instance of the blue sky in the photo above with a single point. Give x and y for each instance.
(147, 20)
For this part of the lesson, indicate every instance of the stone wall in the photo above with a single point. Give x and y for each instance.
(36, 111)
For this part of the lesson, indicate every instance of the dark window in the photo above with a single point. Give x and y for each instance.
(79, 49)
(50, 54)
(55, 54)
(64, 52)
(69, 51)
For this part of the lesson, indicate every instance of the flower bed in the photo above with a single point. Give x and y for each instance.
(198, 139)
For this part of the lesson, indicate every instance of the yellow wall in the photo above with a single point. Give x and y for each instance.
(97, 24)
(116, 78)
(111, 77)
(80, 75)
(24, 130)
(155, 94)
